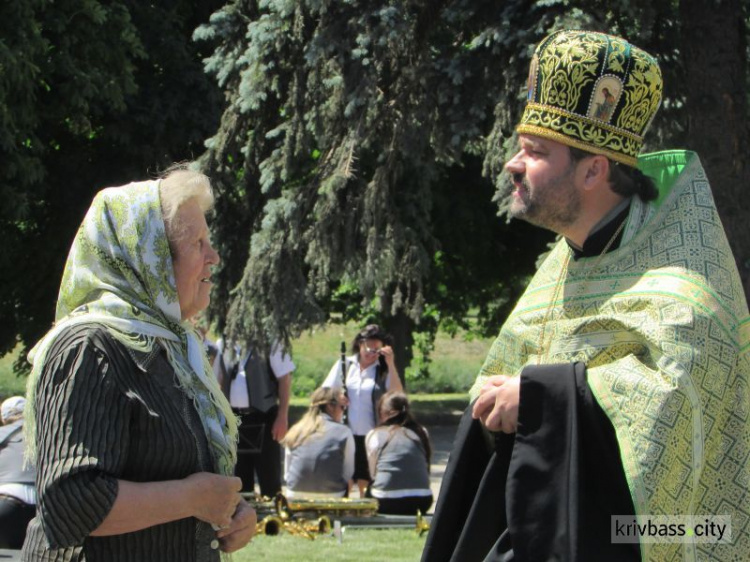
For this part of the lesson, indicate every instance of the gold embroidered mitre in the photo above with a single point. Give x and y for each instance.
(592, 91)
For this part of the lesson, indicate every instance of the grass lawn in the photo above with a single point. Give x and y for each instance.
(360, 545)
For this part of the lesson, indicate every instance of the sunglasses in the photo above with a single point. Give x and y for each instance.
(373, 350)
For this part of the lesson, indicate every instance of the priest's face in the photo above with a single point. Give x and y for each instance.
(546, 182)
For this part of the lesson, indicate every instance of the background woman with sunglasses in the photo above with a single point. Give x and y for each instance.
(365, 376)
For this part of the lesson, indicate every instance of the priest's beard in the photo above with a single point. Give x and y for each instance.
(554, 204)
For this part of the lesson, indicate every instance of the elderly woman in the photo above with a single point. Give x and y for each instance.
(365, 377)
(134, 442)
(320, 449)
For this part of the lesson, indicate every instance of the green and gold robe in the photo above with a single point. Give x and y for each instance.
(661, 324)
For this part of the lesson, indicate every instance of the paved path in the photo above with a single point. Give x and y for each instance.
(441, 437)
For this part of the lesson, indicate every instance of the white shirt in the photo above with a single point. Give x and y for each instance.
(281, 365)
(359, 386)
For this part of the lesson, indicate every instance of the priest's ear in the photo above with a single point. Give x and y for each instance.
(595, 172)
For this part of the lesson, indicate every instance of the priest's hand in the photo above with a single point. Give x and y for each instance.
(497, 405)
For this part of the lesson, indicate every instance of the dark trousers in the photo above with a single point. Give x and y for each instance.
(403, 506)
(258, 453)
(14, 516)
(361, 467)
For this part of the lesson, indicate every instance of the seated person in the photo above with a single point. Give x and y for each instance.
(319, 456)
(398, 452)
(17, 493)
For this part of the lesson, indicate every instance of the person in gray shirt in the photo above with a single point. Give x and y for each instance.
(399, 451)
(319, 456)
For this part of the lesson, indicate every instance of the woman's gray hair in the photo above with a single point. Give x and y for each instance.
(177, 186)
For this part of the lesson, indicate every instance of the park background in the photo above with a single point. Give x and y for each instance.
(355, 147)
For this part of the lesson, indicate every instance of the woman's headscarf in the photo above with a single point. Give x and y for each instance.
(119, 273)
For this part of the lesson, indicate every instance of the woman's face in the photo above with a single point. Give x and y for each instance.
(369, 350)
(193, 258)
(336, 411)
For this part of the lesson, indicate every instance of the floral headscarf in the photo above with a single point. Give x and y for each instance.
(119, 273)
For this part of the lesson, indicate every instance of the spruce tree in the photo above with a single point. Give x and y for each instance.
(361, 144)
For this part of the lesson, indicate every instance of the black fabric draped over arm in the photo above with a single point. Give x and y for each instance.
(546, 494)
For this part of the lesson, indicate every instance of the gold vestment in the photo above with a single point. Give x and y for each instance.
(662, 326)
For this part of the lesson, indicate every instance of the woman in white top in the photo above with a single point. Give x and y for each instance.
(319, 456)
(399, 453)
(365, 377)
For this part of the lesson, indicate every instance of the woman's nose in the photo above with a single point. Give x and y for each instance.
(213, 256)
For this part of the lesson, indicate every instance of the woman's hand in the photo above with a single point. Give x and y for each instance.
(387, 352)
(206, 496)
(241, 530)
(394, 380)
(214, 498)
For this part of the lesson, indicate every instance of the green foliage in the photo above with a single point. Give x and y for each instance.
(394, 98)
(363, 131)
(11, 383)
(359, 149)
(92, 94)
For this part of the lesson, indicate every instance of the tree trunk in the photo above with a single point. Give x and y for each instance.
(713, 55)
(401, 327)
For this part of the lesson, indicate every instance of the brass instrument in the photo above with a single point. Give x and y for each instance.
(337, 507)
(282, 514)
(422, 526)
(305, 528)
(322, 525)
(270, 525)
(310, 517)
